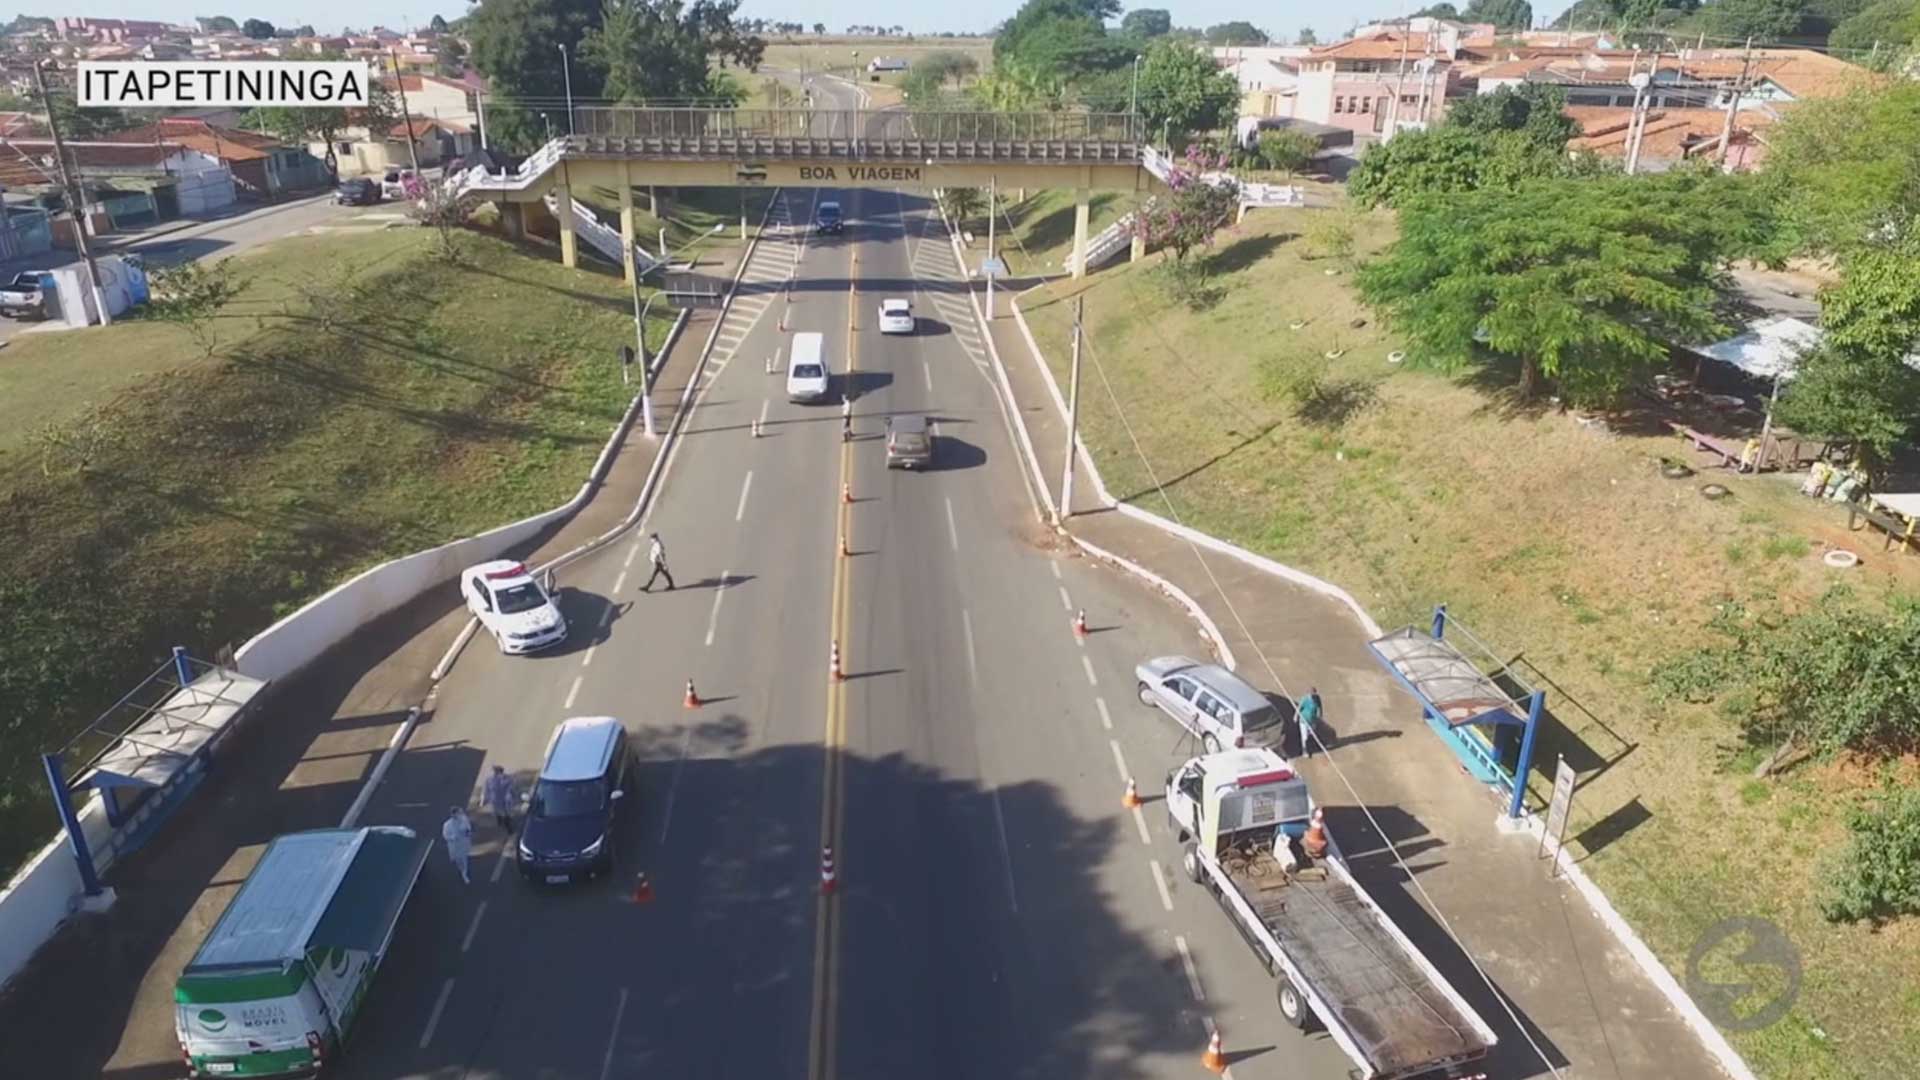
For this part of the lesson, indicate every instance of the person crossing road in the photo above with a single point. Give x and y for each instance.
(657, 554)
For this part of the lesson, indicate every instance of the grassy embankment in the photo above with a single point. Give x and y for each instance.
(1036, 232)
(1412, 489)
(366, 401)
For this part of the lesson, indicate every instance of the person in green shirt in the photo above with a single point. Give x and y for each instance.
(1308, 716)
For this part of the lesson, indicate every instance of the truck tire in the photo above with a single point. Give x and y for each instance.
(1293, 1005)
(1191, 861)
(1211, 744)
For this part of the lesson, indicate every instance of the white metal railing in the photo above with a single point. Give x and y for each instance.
(603, 237)
(478, 179)
(1112, 240)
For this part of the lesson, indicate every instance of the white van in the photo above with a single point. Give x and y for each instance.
(278, 982)
(807, 372)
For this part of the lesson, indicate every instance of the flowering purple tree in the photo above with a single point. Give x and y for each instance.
(1197, 206)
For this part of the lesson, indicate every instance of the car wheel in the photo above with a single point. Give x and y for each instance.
(1212, 744)
(1146, 695)
(500, 640)
(1191, 863)
(1293, 1006)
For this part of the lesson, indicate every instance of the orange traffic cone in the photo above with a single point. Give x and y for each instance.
(1315, 842)
(1132, 801)
(693, 698)
(826, 871)
(833, 661)
(642, 891)
(1215, 1059)
(1080, 623)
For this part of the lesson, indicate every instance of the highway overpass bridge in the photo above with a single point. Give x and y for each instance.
(622, 148)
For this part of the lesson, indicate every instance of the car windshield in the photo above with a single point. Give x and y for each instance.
(523, 597)
(909, 440)
(569, 798)
(807, 371)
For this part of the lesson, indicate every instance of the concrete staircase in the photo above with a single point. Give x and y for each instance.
(476, 184)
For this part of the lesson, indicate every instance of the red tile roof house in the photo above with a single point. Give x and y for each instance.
(263, 167)
(155, 180)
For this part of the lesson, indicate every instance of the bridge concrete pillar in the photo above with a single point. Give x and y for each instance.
(569, 243)
(626, 221)
(513, 221)
(1080, 214)
(1138, 249)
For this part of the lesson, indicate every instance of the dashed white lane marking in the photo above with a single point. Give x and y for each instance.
(631, 552)
(973, 666)
(1088, 664)
(953, 531)
(433, 1018)
(1066, 601)
(1193, 973)
(1160, 883)
(719, 593)
(499, 867)
(1106, 719)
(1119, 761)
(622, 579)
(746, 485)
(763, 412)
(587, 660)
(673, 784)
(573, 691)
(1055, 564)
(473, 927)
(1140, 822)
(1006, 853)
(613, 1038)
(927, 370)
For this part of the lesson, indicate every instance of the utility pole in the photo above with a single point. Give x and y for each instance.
(76, 198)
(993, 197)
(406, 114)
(1642, 104)
(1733, 103)
(1073, 417)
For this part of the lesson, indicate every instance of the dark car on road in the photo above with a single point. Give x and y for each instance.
(909, 442)
(359, 191)
(568, 831)
(827, 220)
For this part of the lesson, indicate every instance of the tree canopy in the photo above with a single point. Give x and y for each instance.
(1517, 14)
(318, 125)
(1584, 281)
(1238, 32)
(1183, 90)
(1502, 138)
(257, 29)
(438, 24)
(1147, 22)
(1857, 387)
(1848, 168)
(218, 24)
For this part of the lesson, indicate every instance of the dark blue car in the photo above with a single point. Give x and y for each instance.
(568, 831)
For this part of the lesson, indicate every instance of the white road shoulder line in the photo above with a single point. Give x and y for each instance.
(433, 1018)
(1160, 883)
(473, 927)
(619, 1010)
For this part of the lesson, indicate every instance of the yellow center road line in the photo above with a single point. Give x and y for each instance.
(824, 1034)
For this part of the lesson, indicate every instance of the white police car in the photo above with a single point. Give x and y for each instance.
(512, 606)
(896, 317)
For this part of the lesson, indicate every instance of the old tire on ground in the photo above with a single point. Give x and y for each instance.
(1293, 1005)
(1191, 862)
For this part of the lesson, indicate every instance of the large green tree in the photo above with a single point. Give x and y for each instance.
(1582, 281)
(1517, 14)
(258, 29)
(1858, 387)
(1238, 32)
(1847, 169)
(1761, 20)
(1146, 23)
(1183, 90)
(317, 125)
(1887, 24)
(1446, 160)
(1534, 110)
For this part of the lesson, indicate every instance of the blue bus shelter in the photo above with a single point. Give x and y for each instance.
(1462, 689)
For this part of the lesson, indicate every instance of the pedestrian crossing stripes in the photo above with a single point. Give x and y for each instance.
(772, 261)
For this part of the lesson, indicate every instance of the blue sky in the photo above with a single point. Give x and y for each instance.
(1284, 17)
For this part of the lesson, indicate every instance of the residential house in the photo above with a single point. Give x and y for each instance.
(1689, 78)
(125, 183)
(1673, 135)
(1268, 76)
(434, 141)
(262, 167)
(439, 98)
(1448, 36)
(1375, 84)
(79, 28)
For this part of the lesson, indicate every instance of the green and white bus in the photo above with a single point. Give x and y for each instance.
(278, 982)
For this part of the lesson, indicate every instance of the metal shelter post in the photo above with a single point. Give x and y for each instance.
(1439, 621)
(181, 668)
(70, 820)
(1535, 705)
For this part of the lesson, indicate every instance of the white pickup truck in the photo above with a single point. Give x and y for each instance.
(1250, 827)
(25, 297)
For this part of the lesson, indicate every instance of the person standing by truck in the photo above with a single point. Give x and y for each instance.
(1308, 714)
(498, 795)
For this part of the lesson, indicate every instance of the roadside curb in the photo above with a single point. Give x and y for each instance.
(1650, 965)
(380, 768)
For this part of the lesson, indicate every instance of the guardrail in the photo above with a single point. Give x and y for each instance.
(695, 123)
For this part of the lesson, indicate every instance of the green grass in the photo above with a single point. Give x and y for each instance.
(402, 405)
(1411, 489)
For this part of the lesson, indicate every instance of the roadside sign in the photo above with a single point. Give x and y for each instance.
(1553, 837)
(993, 266)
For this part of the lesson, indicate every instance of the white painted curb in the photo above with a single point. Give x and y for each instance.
(380, 768)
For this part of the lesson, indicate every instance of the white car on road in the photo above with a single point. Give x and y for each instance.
(896, 317)
(512, 606)
(1218, 707)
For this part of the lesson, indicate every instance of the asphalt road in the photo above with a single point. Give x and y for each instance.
(997, 914)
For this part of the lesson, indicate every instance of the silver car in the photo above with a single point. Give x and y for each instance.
(1217, 706)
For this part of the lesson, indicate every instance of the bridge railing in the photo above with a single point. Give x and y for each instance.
(624, 122)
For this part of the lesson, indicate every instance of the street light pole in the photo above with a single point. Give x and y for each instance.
(993, 197)
(640, 329)
(1133, 95)
(566, 72)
